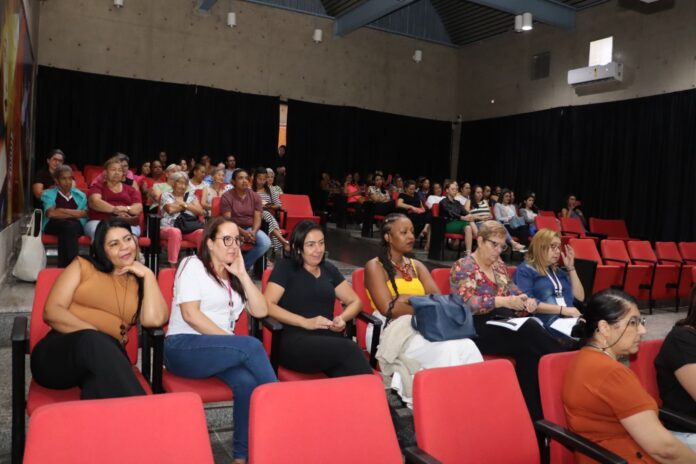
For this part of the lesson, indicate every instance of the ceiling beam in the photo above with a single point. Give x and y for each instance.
(545, 11)
(366, 13)
(206, 5)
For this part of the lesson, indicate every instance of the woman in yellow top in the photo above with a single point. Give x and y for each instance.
(391, 279)
(90, 309)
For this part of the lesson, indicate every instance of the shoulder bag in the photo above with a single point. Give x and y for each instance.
(442, 317)
(32, 256)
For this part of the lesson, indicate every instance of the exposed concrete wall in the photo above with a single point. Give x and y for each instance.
(657, 50)
(270, 52)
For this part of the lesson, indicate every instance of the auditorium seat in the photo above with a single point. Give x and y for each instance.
(606, 276)
(668, 253)
(614, 229)
(298, 208)
(664, 278)
(636, 277)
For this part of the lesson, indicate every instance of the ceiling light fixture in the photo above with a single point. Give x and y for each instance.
(318, 35)
(527, 21)
(118, 3)
(418, 56)
(231, 19)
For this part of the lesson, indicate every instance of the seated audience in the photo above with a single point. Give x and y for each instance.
(435, 197)
(113, 198)
(140, 178)
(196, 183)
(230, 166)
(172, 205)
(381, 199)
(528, 210)
(155, 193)
(65, 214)
(216, 187)
(245, 208)
(301, 293)
(604, 400)
(210, 292)
(270, 178)
(541, 278)
(506, 213)
(412, 206)
(271, 203)
(487, 195)
(183, 164)
(44, 178)
(162, 157)
(458, 220)
(90, 309)
(155, 176)
(571, 210)
(397, 184)
(391, 279)
(423, 189)
(128, 177)
(676, 371)
(464, 195)
(483, 281)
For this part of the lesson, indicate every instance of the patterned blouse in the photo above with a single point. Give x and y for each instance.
(468, 280)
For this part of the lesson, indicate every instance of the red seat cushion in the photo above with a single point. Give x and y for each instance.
(48, 239)
(287, 375)
(144, 242)
(211, 390)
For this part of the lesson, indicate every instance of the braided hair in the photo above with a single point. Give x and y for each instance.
(384, 256)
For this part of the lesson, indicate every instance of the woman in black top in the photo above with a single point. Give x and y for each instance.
(458, 220)
(301, 294)
(412, 206)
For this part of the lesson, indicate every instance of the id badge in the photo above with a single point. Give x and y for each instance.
(560, 301)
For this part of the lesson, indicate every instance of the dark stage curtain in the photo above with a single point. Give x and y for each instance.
(339, 140)
(630, 159)
(90, 116)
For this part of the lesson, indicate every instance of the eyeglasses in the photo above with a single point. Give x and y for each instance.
(634, 321)
(555, 246)
(227, 240)
(502, 246)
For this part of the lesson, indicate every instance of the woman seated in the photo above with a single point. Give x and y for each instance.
(506, 213)
(65, 214)
(381, 199)
(435, 197)
(216, 188)
(391, 279)
(270, 179)
(464, 195)
(482, 280)
(90, 309)
(540, 277)
(571, 210)
(301, 293)
(211, 290)
(271, 204)
(604, 400)
(676, 371)
(412, 206)
(423, 189)
(481, 211)
(459, 221)
(172, 205)
(528, 211)
(113, 198)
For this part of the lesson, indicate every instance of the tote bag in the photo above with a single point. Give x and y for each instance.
(32, 256)
(442, 317)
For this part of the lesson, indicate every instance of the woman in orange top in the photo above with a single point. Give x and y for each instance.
(604, 400)
(90, 309)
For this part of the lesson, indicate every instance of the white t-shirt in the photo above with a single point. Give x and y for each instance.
(431, 200)
(193, 283)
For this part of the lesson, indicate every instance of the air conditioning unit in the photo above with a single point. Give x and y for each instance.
(612, 71)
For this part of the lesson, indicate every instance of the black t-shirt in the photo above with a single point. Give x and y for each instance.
(678, 350)
(306, 295)
(43, 176)
(411, 200)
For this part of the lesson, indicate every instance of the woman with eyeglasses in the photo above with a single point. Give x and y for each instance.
(604, 400)
(539, 276)
(676, 371)
(483, 282)
(301, 293)
(211, 290)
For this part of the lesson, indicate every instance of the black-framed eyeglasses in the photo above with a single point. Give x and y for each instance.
(227, 240)
(502, 246)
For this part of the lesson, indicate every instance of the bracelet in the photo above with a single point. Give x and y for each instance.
(570, 269)
(560, 310)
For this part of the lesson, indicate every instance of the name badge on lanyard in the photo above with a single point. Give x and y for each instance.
(557, 288)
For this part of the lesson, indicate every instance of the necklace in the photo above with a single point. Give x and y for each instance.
(121, 310)
(603, 350)
(404, 269)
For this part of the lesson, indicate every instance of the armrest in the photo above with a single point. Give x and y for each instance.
(276, 329)
(376, 333)
(271, 324)
(19, 355)
(577, 443)
(369, 318)
(597, 235)
(156, 336)
(19, 333)
(625, 269)
(649, 261)
(415, 455)
(679, 419)
(570, 232)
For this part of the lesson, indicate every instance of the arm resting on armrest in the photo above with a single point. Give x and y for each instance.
(676, 418)
(577, 443)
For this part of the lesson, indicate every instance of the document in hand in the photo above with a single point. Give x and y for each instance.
(514, 323)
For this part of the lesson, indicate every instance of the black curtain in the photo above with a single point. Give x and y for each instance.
(90, 116)
(340, 139)
(630, 159)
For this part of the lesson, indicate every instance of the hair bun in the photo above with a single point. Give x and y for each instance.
(579, 329)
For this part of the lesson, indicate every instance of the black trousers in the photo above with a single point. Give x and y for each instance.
(68, 232)
(91, 360)
(521, 232)
(526, 346)
(311, 352)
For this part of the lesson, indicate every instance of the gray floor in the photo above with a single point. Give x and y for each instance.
(346, 249)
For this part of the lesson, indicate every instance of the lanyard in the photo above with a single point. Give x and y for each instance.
(557, 286)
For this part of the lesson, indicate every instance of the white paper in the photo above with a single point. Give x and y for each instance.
(514, 323)
(564, 324)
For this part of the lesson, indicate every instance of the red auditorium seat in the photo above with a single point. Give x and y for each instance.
(614, 229)
(636, 277)
(435, 211)
(298, 208)
(361, 323)
(688, 251)
(664, 278)
(159, 428)
(573, 226)
(668, 253)
(606, 276)
(643, 364)
(547, 213)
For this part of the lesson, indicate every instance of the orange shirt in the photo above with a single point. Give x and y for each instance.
(597, 393)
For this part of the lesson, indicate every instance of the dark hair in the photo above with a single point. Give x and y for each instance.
(98, 258)
(384, 256)
(257, 172)
(690, 318)
(209, 233)
(504, 192)
(237, 171)
(409, 183)
(298, 237)
(609, 305)
(55, 151)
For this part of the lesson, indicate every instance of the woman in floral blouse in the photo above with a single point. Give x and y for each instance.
(482, 280)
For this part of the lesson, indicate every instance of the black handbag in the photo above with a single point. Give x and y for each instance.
(187, 223)
(442, 317)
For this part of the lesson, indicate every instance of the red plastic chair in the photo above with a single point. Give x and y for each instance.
(614, 229)
(606, 276)
(298, 208)
(668, 253)
(23, 342)
(287, 425)
(91, 171)
(161, 428)
(636, 277)
(547, 213)
(643, 364)
(688, 251)
(664, 278)
(361, 323)
(573, 226)
(215, 207)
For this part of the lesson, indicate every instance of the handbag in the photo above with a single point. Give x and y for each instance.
(517, 221)
(186, 222)
(32, 255)
(442, 317)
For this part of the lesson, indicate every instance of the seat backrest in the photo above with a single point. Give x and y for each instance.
(667, 250)
(614, 249)
(688, 250)
(585, 248)
(435, 210)
(609, 227)
(286, 425)
(545, 222)
(572, 224)
(38, 328)
(552, 368)
(296, 205)
(441, 276)
(358, 283)
(215, 207)
(457, 411)
(641, 249)
(547, 213)
(643, 364)
(112, 431)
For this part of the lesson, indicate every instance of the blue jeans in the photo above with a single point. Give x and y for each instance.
(263, 243)
(239, 361)
(91, 228)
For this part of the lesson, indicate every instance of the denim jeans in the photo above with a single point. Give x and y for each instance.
(91, 228)
(239, 361)
(263, 243)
